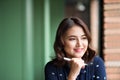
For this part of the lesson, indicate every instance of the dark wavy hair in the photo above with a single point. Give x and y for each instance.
(66, 24)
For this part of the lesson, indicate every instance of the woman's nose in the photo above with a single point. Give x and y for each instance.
(79, 43)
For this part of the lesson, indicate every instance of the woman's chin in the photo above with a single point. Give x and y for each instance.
(78, 56)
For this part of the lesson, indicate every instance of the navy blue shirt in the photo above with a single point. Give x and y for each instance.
(95, 70)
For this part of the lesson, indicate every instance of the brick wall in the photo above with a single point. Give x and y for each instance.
(112, 38)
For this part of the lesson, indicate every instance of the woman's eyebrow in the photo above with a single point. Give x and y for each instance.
(83, 35)
(75, 35)
(71, 36)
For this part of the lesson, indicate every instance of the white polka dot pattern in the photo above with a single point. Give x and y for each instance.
(60, 74)
(97, 65)
(94, 71)
(53, 73)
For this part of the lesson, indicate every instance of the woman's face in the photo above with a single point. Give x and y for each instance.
(75, 42)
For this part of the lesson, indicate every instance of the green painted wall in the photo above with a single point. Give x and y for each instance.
(24, 34)
(57, 14)
(10, 40)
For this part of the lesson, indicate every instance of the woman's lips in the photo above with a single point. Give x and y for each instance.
(78, 50)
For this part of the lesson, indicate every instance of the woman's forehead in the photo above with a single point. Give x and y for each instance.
(75, 30)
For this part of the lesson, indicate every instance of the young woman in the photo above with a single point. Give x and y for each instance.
(74, 60)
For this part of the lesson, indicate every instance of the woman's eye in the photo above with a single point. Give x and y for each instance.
(71, 39)
(84, 37)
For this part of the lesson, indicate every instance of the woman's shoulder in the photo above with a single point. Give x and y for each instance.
(99, 68)
(97, 59)
(50, 64)
(50, 67)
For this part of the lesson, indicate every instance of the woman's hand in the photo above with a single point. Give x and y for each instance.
(75, 66)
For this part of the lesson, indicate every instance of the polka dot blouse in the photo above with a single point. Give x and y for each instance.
(95, 70)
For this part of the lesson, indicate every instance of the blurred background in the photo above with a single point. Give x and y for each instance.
(28, 27)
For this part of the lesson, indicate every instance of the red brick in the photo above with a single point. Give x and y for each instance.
(112, 38)
(111, 13)
(112, 25)
(112, 19)
(114, 6)
(111, 51)
(113, 70)
(112, 44)
(112, 57)
(111, 1)
(113, 76)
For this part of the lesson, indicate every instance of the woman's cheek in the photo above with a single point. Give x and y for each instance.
(71, 47)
